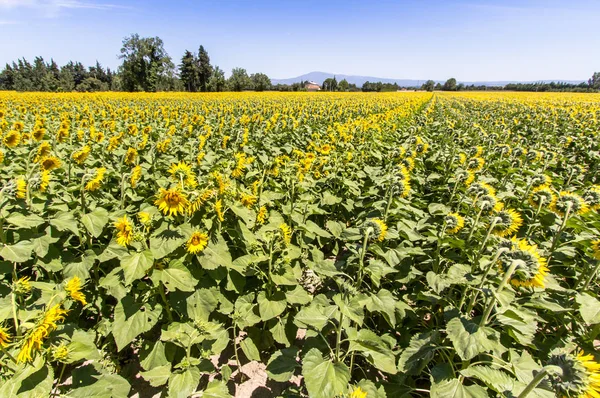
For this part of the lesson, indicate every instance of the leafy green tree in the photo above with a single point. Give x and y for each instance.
(594, 81)
(428, 85)
(91, 84)
(204, 68)
(239, 80)
(7, 78)
(450, 85)
(146, 65)
(217, 81)
(343, 85)
(260, 82)
(188, 72)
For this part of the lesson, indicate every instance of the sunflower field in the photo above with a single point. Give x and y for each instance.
(330, 245)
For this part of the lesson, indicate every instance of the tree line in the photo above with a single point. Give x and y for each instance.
(146, 66)
(592, 85)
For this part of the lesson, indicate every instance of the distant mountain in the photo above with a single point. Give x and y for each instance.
(319, 77)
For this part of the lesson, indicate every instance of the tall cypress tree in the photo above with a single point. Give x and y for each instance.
(205, 69)
(188, 72)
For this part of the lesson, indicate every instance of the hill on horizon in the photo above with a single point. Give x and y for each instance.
(319, 77)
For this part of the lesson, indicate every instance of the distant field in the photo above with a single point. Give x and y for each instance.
(299, 244)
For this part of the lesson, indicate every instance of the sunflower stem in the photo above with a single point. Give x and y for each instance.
(539, 208)
(163, 296)
(487, 236)
(484, 277)
(534, 383)
(491, 302)
(559, 232)
(591, 276)
(474, 224)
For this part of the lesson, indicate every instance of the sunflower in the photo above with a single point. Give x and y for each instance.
(131, 155)
(466, 177)
(197, 242)
(145, 218)
(286, 233)
(481, 188)
(475, 164)
(358, 393)
(596, 248)
(262, 215)
(219, 210)
(171, 201)
(5, 338)
(44, 180)
(38, 134)
(136, 174)
(409, 163)
(95, 182)
(81, 155)
(21, 286)
(180, 170)
(50, 163)
(577, 203)
(592, 197)
(12, 138)
(508, 223)
(60, 353)
(531, 266)
(35, 338)
(540, 180)
(461, 158)
(21, 188)
(580, 376)
(542, 196)
(454, 223)
(73, 287)
(125, 231)
(488, 203)
(378, 227)
(248, 200)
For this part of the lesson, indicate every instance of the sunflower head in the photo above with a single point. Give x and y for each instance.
(488, 203)
(454, 223)
(12, 139)
(358, 393)
(569, 199)
(464, 176)
(171, 201)
(592, 197)
(508, 223)
(531, 266)
(481, 188)
(60, 353)
(21, 286)
(124, 231)
(542, 196)
(578, 376)
(50, 163)
(475, 164)
(286, 233)
(540, 180)
(197, 242)
(378, 229)
(596, 248)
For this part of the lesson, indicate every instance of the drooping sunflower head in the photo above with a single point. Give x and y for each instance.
(596, 248)
(481, 188)
(262, 215)
(285, 233)
(131, 155)
(475, 151)
(81, 155)
(136, 174)
(378, 229)
(592, 197)
(461, 158)
(579, 376)
(570, 200)
(519, 151)
(21, 286)
(503, 149)
(530, 268)
(171, 201)
(181, 170)
(124, 231)
(21, 188)
(542, 196)
(465, 176)
(508, 223)
(5, 337)
(540, 180)
(454, 223)
(248, 200)
(408, 162)
(488, 203)
(73, 287)
(475, 164)
(197, 242)
(50, 163)
(145, 218)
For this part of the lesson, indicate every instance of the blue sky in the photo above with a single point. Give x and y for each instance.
(470, 40)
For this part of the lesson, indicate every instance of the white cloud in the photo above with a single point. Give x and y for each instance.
(51, 8)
